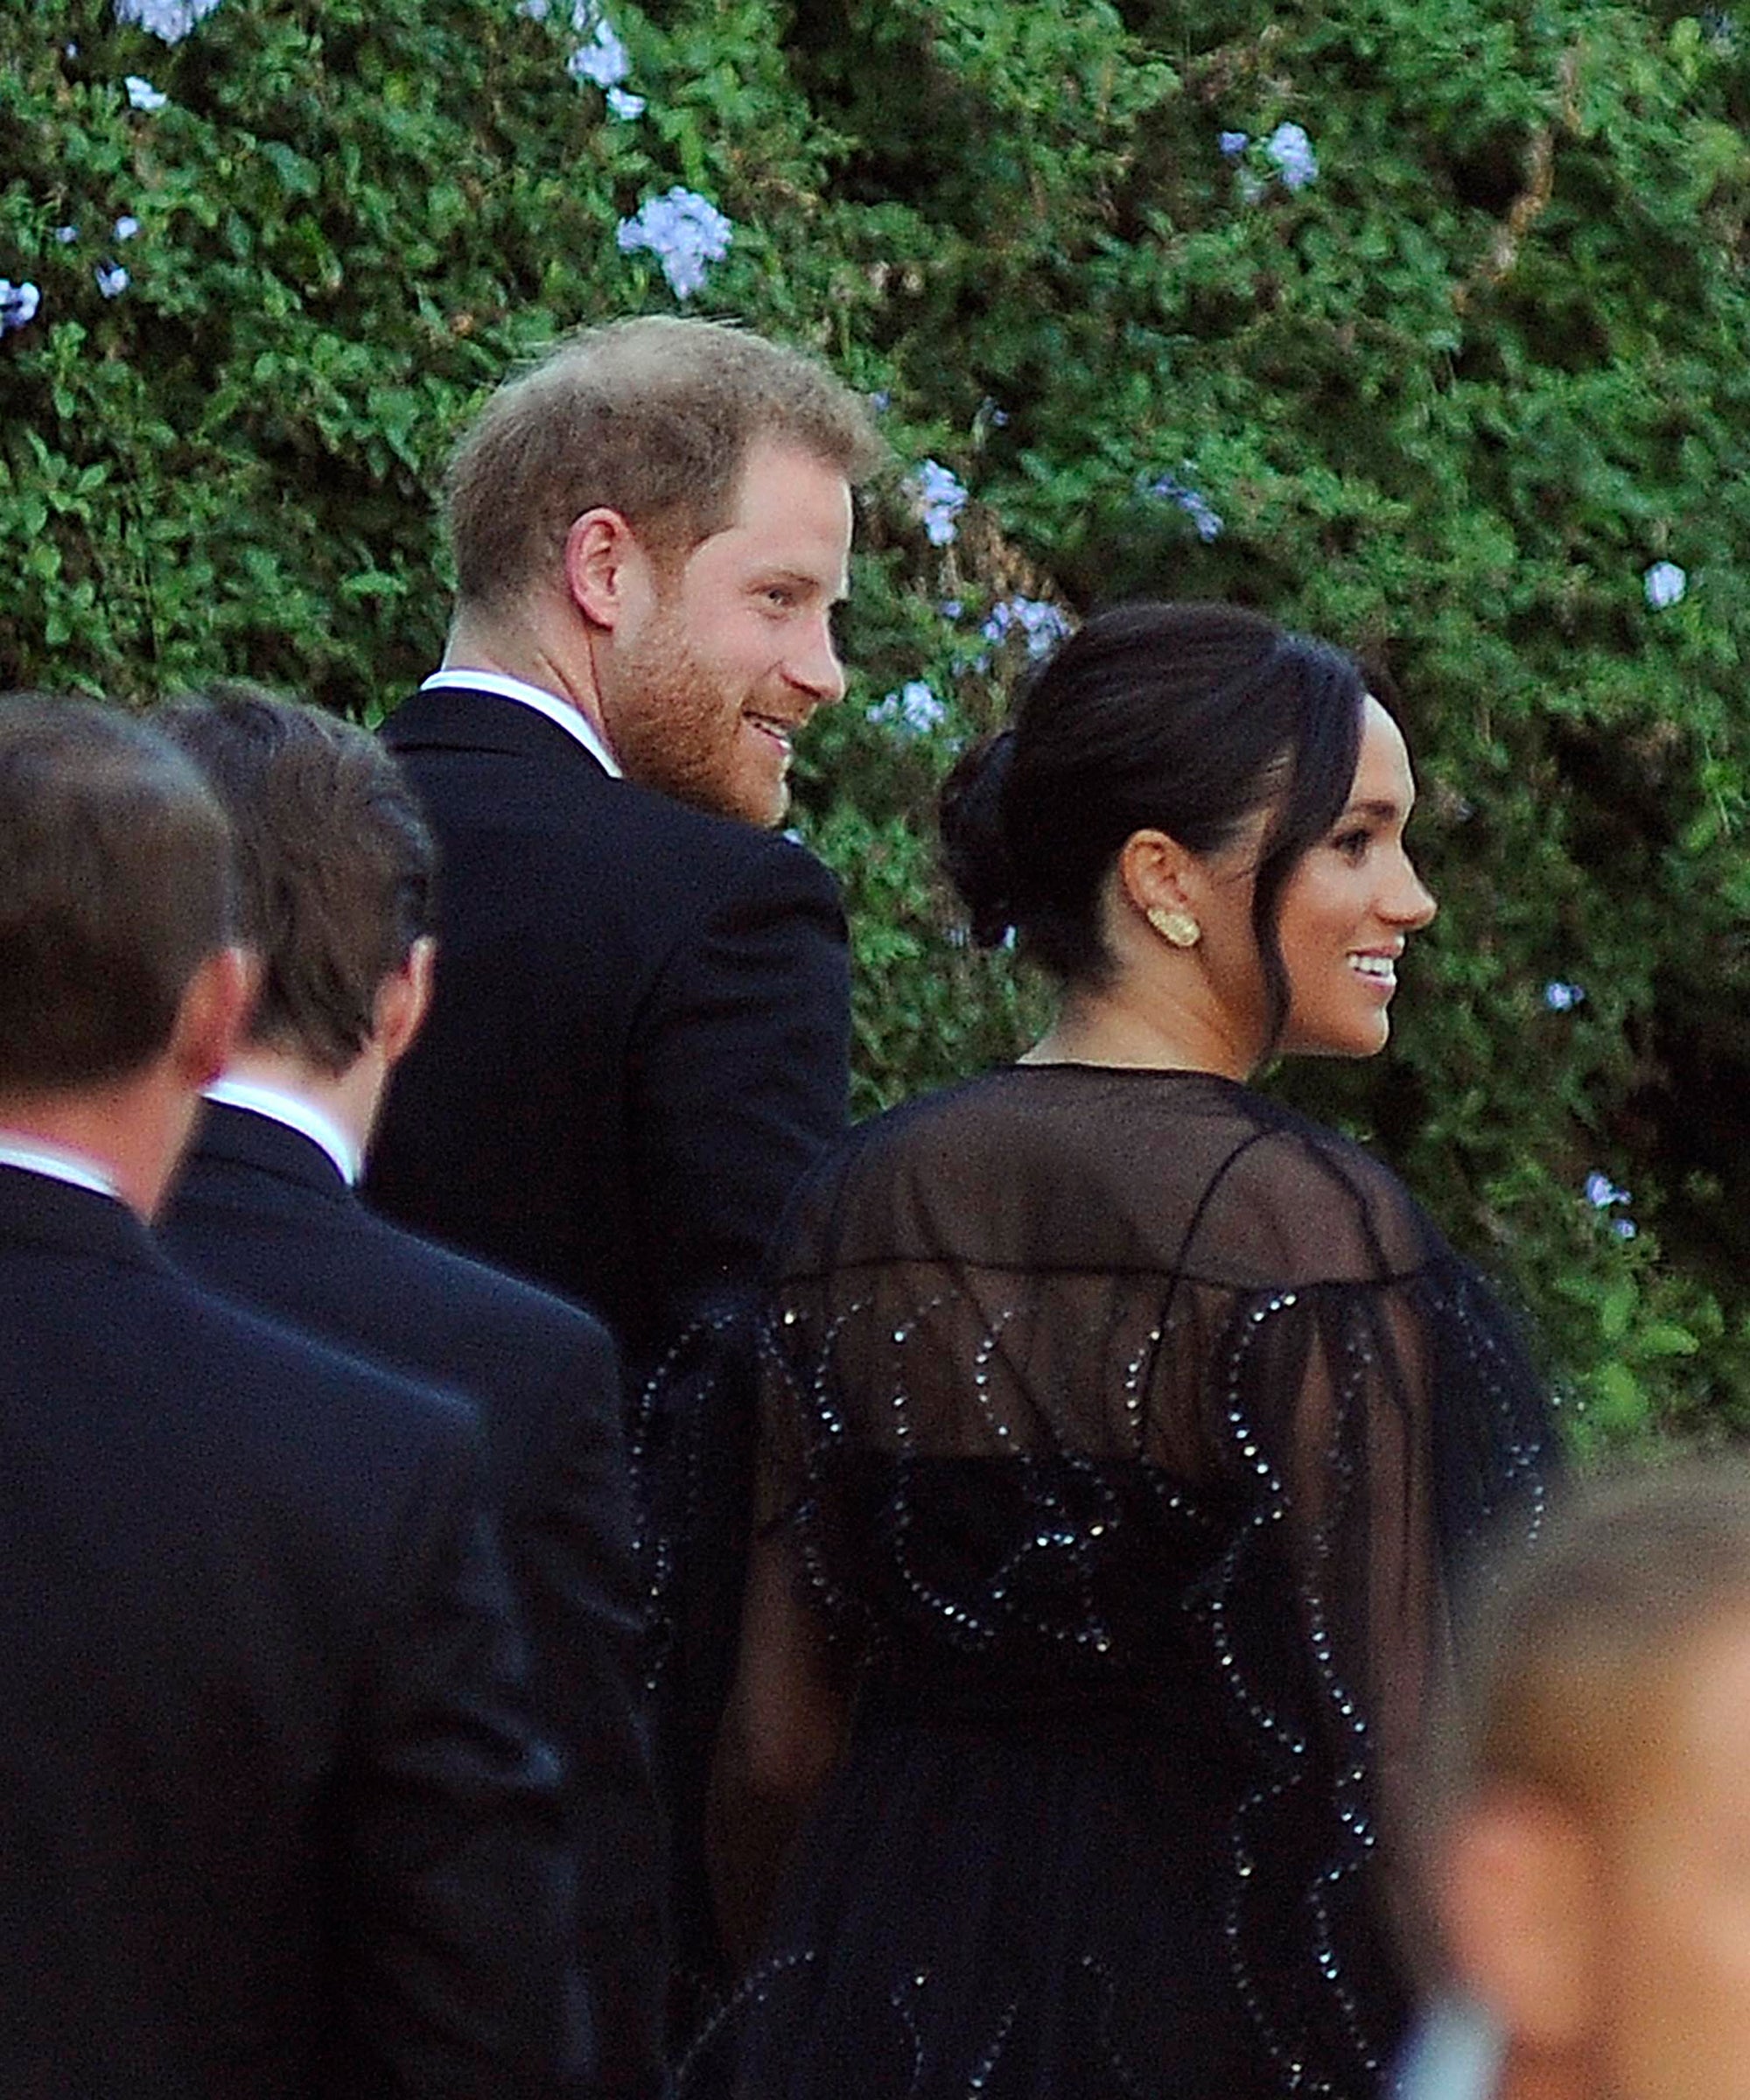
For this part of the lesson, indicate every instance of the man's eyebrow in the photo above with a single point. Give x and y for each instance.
(782, 572)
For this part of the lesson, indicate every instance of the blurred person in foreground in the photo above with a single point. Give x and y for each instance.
(1587, 1808)
(640, 1035)
(337, 873)
(273, 1822)
(1121, 1432)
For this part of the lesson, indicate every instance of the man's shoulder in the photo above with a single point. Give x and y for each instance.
(348, 1273)
(221, 1391)
(265, 1361)
(439, 1290)
(699, 838)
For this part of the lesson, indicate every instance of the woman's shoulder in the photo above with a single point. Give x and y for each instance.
(1102, 1168)
(1302, 1202)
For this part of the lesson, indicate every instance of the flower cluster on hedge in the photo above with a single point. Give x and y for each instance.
(1419, 326)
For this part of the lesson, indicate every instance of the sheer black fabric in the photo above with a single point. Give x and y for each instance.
(1130, 1428)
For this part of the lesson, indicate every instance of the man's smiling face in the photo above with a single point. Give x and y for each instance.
(729, 649)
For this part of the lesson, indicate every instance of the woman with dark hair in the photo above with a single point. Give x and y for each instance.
(1122, 1430)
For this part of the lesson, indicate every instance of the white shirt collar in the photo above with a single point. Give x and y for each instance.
(37, 1156)
(543, 703)
(295, 1114)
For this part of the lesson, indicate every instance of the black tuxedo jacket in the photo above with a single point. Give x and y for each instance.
(640, 1035)
(263, 1214)
(271, 1819)
(640, 1043)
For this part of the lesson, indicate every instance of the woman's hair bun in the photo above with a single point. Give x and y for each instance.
(973, 842)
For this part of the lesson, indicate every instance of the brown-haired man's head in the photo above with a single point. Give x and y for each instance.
(115, 885)
(120, 989)
(1586, 1809)
(336, 867)
(654, 521)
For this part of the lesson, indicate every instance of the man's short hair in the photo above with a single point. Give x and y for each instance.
(651, 418)
(1569, 1640)
(336, 867)
(115, 886)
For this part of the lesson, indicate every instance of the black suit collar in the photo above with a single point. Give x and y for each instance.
(454, 720)
(240, 1138)
(38, 1210)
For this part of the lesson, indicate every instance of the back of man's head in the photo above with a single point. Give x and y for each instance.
(1568, 1639)
(115, 884)
(1586, 1805)
(336, 867)
(652, 418)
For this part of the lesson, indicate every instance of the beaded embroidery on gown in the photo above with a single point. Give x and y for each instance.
(1129, 1427)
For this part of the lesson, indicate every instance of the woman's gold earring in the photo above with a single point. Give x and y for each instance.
(1179, 927)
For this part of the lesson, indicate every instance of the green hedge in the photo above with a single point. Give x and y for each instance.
(1443, 357)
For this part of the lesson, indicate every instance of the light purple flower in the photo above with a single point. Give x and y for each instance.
(66, 235)
(1233, 144)
(1168, 488)
(942, 497)
(914, 708)
(1043, 623)
(1602, 1192)
(603, 59)
(1625, 1229)
(126, 227)
(18, 305)
(1664, 584)
(1563, 998)
(143, 94)
(112, 279)
(683, 231)
(169, 20)
(1291, 151)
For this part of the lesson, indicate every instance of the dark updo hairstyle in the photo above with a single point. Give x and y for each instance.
(1179, 718)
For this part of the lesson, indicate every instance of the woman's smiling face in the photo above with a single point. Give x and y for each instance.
(1349, 906)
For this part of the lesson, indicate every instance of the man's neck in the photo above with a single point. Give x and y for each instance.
(523, 649)
(131, 1133)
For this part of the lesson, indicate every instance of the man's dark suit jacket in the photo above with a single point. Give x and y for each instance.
(640, 1043)
(261, 1214)
(271, 1820)
(641, 1031)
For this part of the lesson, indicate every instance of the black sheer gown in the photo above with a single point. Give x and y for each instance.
(1129, 1427)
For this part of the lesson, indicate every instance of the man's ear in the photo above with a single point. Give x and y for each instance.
(404, 1000)
(211, 1015)
(1517, 1891)
(604, 565)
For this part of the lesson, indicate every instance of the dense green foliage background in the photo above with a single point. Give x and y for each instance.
(1449, 400)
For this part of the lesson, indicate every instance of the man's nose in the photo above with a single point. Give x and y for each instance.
(815, 666)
